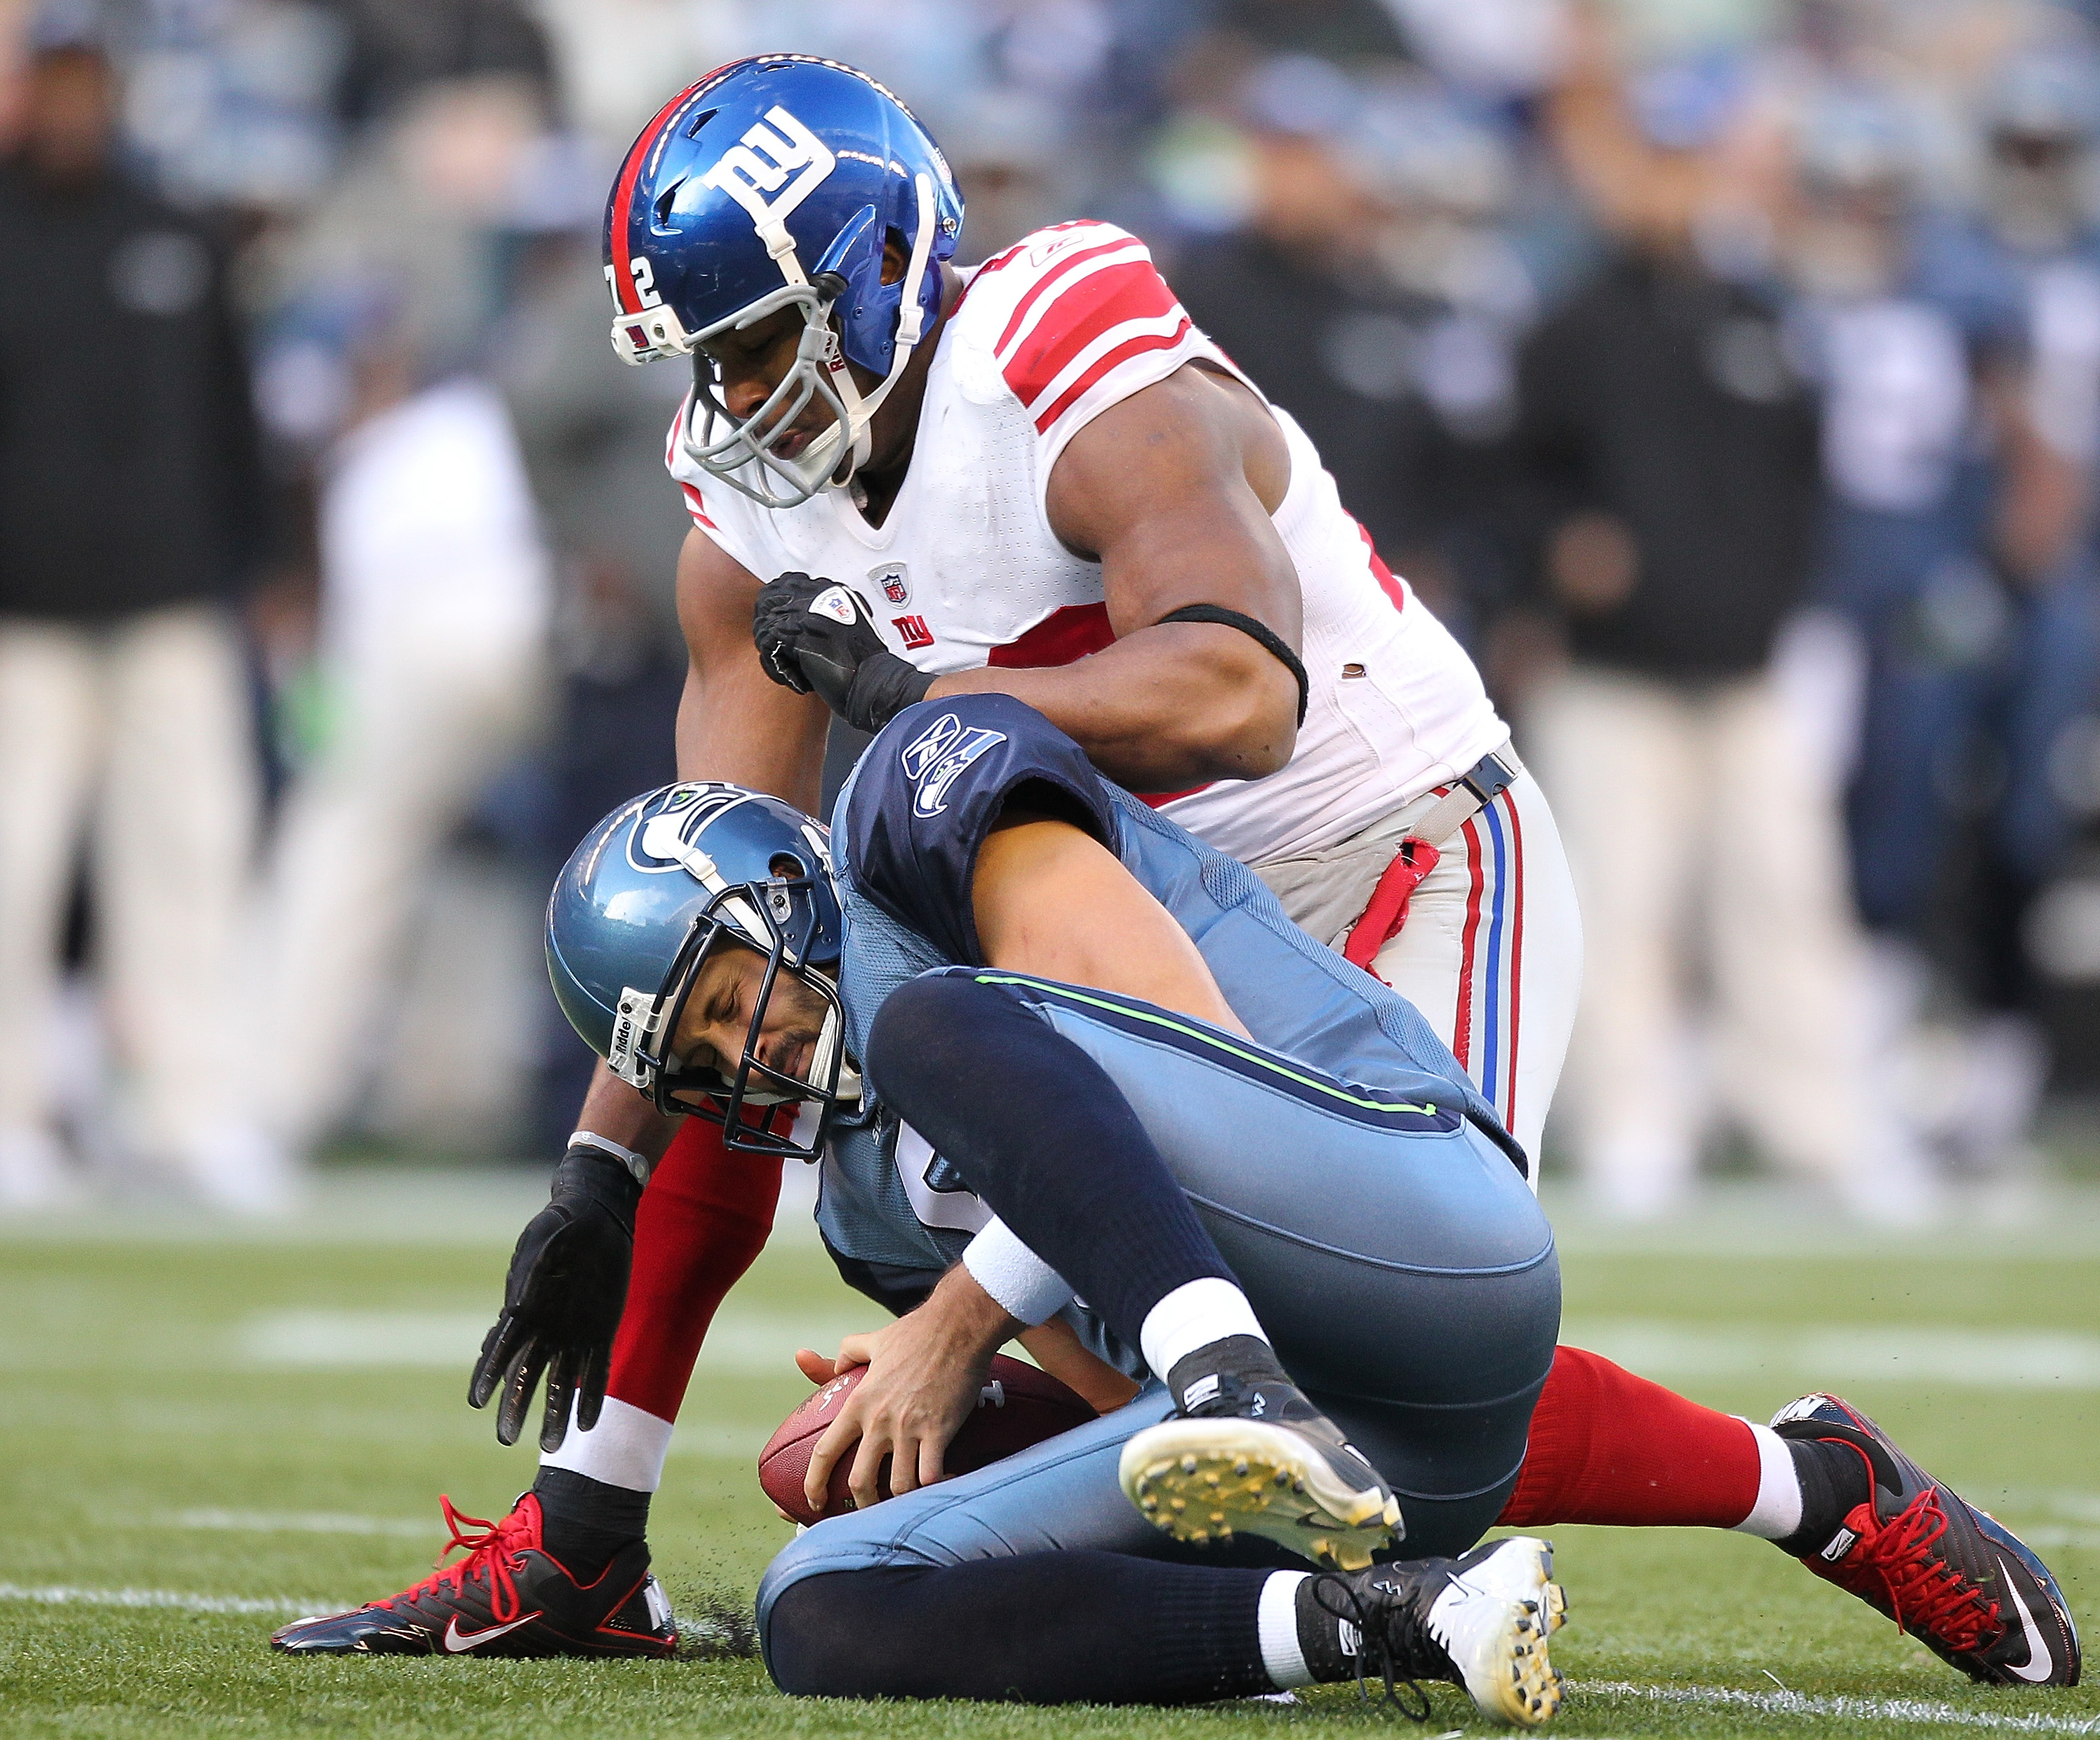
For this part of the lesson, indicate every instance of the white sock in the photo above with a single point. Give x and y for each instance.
(1777, 1512)
(1277, 1623)
(625, 1448)
(1194, 1315)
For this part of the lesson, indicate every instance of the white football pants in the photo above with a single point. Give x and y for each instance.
(1491, 950)
(141, 735)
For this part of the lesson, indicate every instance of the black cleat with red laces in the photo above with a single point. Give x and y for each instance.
(1953, 1576)
(508, 1597)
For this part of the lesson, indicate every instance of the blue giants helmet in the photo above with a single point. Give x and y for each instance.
(772, 183)
(654, 889)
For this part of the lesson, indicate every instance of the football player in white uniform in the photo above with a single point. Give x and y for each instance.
(1040, 478)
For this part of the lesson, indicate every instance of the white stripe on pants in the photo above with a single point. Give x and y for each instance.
(1491, 950)
(143, 727)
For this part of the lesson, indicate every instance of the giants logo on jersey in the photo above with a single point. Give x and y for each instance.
(914, 631)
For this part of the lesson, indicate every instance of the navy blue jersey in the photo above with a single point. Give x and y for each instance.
(905, 838)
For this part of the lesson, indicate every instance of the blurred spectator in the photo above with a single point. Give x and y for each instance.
(398, 47)
(129, 504)
(592, 431)
(234, 104)
(1012, 156)
(2044, 126)
(1914, 329)
(1672, 454)
(1342, 293)
(1962, 364)
(434, 607)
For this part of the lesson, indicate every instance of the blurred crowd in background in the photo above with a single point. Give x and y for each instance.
(1726, 372)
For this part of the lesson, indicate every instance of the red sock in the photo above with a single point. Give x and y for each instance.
(1608, 1447)
(703, 1221)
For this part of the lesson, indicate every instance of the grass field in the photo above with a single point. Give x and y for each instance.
(201, 1433)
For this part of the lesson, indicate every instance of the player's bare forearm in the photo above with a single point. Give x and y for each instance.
(1165, 708)
(613, 1110)
(1059, 1351)
(734, 723)
(1172, 489)
(1033, 874)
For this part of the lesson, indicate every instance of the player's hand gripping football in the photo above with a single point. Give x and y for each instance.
(814, 634)
(562, 1300)
(924, 1371)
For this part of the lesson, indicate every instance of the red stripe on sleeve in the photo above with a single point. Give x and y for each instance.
(1082, 314)
(697, 508)
(1114, 360)
(1036, 290)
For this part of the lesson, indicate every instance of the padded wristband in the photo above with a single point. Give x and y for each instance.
(1020, 1282)
(882, 688)
(1259, 633)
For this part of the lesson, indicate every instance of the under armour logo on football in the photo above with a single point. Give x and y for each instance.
(760, 165)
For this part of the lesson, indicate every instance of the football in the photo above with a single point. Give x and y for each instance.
(1018, 1406)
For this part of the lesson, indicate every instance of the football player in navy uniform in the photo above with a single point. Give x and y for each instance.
(1134, 1084)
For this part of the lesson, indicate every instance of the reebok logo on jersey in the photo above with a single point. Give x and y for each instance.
(940, 755)
(913, 631)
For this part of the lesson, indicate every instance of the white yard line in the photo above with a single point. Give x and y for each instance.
(299, 1523)
(1848, 1709)
(1841, 1354)
(60, 1596)
(742, 1343)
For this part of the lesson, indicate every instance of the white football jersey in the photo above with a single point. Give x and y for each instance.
(965, 571)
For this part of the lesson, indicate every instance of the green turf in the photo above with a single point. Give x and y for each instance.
(164, 1423)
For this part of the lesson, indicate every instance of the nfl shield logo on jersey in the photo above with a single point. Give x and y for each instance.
(890, 578)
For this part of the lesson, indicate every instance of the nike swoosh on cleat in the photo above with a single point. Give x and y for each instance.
(457, 1642)
(2040, 1662)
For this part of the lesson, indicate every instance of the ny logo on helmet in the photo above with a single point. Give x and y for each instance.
(759, 165)
(939, 755)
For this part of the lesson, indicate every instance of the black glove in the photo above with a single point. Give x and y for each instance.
(815, 634)
(562, 1300)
